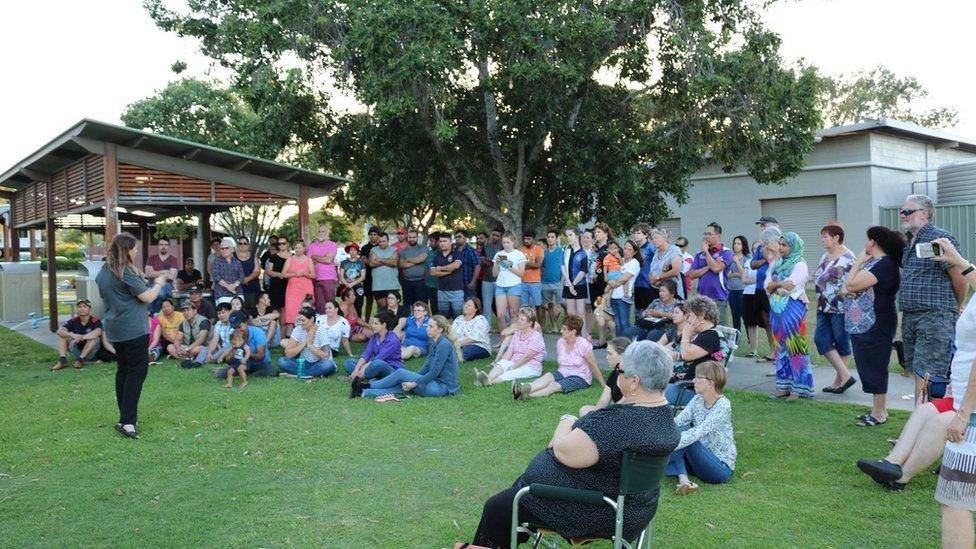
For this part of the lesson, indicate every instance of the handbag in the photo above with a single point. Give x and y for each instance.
(932, 386)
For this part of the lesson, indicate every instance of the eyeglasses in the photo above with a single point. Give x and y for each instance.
(905, 212)
(242, 243)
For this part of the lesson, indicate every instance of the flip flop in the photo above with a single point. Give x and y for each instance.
(847, 385)
(869, 421)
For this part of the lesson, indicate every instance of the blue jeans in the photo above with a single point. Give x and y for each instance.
(391, 384)
(449, 302)
(831, 334)
(735, 303)
(621, 317)
(74, 349)
(672, 391)
(376, 368)
(164, 292)
(473, 352)
(319, 368)
(698, 460)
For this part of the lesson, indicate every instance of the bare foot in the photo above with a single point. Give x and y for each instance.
(229, 386)
(685, 489)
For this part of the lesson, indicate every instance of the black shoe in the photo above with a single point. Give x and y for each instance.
(894, 486)
(358, 385)
(881, 470)
(187, 363)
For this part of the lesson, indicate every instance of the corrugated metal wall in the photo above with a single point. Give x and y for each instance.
(959, 219)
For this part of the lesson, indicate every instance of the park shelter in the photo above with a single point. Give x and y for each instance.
(99, 176)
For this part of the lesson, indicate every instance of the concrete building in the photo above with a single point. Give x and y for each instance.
(851, 172)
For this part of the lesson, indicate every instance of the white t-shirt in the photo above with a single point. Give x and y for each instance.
(631, 267)
(962, 361)
(506, 278)
(749, 289)
(298, 334)
(335, 333)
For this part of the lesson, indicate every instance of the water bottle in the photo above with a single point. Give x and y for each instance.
(301, 367)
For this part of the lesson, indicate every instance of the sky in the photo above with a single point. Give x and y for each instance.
(65, 60)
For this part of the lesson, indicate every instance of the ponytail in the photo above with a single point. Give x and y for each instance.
(444, 325)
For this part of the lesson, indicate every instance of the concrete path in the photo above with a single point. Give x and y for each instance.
(744, 373)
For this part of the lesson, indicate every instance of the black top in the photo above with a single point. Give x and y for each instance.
(650, 431)
(74, 326)
(454, 281)
(191, 278)
(253, 286)
(708, 340)
(206, 309)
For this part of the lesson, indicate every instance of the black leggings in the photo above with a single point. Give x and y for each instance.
(132, 357)
(495, 528)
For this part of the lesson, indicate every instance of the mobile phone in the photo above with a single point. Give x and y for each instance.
(503, 257)
(926, 250)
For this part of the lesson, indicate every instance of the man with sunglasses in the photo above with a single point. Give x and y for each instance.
(711, 268)
(80, 336)
(931, 295)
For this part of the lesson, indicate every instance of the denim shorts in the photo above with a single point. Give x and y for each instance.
(552, 293)
(532, 294)
(515, 290)
(570, 383)
(831, 334)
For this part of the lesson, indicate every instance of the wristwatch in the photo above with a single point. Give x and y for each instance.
(969, 269)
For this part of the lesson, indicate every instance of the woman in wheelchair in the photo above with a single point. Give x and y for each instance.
(585, 453)
(698, 342)
(707, 447)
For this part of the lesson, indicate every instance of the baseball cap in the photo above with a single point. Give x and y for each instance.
(237, 318)
(196, 289)
(767, 219)
(351, 246)
(186, 305)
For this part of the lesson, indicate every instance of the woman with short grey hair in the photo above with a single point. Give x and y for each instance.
(585, 453)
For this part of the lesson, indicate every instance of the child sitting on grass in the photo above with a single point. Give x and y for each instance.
(237, 360)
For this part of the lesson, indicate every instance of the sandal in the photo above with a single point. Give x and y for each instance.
(766, 358)
(840, 390)
(685, 489)
(780, 394)
(869, 421)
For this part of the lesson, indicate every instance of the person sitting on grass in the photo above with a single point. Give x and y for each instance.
(237, 360)
(707, 448)
(611, 393)
(192, 351)
(220, 338)
(335, 328)
(505, 336)
(471, 329)
(577, 366)
(155, 336)
(523, 357)
(436, 378)
(585, 453)
(382, 354)
(414, 332)
(81, 337)
(699, 342)
(921, 442)
(169, 323)
(358, 330)
(259, 356)
(309, 342)
(266, 318)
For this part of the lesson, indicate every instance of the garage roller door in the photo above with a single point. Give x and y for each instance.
(805, 217)
(672, 225)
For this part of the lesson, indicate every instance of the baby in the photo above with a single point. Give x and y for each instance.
(237, 360)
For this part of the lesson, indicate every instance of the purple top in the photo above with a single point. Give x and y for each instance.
(388, 350)
(712, 284)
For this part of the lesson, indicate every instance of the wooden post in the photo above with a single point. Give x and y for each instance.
(203, 233)
(111, 194)
(14, 245)
(146, 242)
(32, 234)
(7, 247)
(52, 277)
(303, 212)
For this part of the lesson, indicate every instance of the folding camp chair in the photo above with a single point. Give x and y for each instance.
(638, 473)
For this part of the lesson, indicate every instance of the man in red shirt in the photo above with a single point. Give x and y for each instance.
(159, 264)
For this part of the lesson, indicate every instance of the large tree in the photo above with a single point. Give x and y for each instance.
(527, 111)
(879, 93)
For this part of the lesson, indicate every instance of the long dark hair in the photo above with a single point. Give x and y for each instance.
(892, 243)
(118, 254)
(638, 255)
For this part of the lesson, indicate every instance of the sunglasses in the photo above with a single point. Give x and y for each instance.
(906, 212)
(242, 243)
(85, 303)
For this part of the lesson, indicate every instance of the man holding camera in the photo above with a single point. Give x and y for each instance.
(932, 294)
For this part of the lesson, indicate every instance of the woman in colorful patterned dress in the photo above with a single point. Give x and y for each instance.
(871, 318)
(831, 337)
(786, 286)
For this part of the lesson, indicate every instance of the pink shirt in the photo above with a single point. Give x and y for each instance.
(572, 362)
(521, 345)
(324, 271)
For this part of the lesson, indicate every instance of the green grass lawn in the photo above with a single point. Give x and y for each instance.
(284, 463)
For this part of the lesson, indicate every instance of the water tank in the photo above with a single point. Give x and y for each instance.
(957, 182)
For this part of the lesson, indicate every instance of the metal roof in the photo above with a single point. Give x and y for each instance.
(67, 148)
(905, 129)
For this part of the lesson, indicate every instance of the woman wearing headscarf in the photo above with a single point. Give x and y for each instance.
(788, 303)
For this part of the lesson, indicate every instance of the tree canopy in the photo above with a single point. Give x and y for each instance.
(520, 112)
(879, 93)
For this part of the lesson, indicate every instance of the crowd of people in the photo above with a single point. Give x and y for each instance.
(670, 342)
